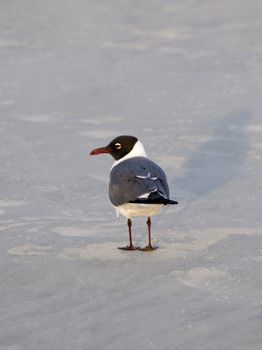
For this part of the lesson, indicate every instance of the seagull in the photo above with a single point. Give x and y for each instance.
(138, 186)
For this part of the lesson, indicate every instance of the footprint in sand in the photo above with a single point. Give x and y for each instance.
(101, 251)
(201, 277)
(73, 231)
(30, 250)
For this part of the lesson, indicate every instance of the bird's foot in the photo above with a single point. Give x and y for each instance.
(129, 247)
(148, 248)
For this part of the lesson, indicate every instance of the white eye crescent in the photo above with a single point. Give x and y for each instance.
(118, 145)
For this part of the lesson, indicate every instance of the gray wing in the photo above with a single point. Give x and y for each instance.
(136, 177)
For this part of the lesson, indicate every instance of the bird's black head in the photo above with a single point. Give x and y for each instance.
(121, 146)
(118, 147)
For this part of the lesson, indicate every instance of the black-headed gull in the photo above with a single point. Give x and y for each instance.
(138, 186)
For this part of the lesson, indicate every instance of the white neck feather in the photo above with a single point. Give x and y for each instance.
(137, 151)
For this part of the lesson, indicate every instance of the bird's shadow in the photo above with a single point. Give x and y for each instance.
(216, 161)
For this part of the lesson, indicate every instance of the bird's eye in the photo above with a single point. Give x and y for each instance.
(118, 145)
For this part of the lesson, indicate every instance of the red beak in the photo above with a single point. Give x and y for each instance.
(99, 151)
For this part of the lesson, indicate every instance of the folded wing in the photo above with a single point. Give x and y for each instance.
(138, 180)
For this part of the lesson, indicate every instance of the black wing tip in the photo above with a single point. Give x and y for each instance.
(170, 201)
(164, 201)
(154, 198)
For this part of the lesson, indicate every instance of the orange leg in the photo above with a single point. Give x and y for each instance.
(149, 247)
(130, 246)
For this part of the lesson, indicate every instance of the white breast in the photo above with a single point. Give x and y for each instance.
(130, 210)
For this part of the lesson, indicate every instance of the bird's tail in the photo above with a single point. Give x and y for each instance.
(154, 200)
